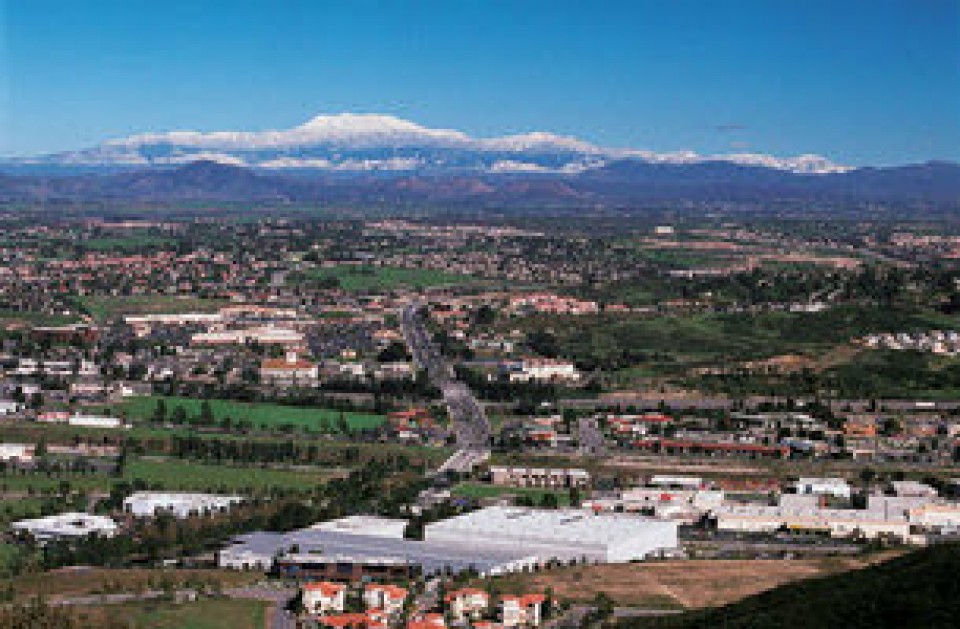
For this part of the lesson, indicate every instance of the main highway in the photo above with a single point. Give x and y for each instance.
(467, 417)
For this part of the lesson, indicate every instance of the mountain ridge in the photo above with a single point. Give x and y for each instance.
(378, 142)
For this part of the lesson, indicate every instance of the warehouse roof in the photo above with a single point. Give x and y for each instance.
(577, 526)
(429, 555)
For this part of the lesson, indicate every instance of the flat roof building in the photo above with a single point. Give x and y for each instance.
(67, 526)
(179, 504)
(567, 534)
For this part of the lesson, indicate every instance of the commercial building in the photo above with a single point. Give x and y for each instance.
(370, 525)
(146, 504)
(95, 421)
(836, 487)
(288, 370)
(831, 522)
(567, 534)
(541, 370)
(324, 553)
(539, 477)
(16, 452)
(66, 526)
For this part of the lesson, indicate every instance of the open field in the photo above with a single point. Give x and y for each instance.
(58, 584)
(20, 318)
(107, 307)
(203, 614)
(678, 584)
(674, 345)
(482, 490)
(260, 415)
(177, 474)
(132, 244)
(363, 278)
(171, 474)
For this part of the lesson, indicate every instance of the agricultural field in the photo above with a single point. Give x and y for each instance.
(102, 307)
(691, 584)
(261, 415)
(366, 278)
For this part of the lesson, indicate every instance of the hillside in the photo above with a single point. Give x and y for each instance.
(919, 589)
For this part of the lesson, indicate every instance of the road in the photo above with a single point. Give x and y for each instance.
(467, 417)
(590, 437)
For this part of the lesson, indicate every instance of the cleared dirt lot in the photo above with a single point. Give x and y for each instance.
(679, 584)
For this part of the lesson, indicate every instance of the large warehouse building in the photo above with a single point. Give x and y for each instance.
(492, 541)
(559, 534)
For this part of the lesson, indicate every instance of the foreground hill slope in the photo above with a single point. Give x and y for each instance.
(920, 589)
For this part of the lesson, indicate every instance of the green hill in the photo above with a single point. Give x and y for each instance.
(918, 590)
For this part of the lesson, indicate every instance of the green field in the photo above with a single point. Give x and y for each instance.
(671, 344)
(103, 307)
(260, 415)
(166, 474)
(177, 474)
(366, 278)
(34, 318)
(131, 244)
(481, 490)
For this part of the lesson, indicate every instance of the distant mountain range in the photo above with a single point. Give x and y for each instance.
(354, 158)
(370, 142)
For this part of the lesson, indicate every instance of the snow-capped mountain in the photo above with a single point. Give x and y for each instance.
(371, 142)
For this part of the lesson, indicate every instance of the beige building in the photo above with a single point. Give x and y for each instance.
(539, 477)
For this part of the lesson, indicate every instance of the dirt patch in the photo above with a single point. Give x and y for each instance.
(686, 584)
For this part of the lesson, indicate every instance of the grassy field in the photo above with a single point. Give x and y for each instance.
(102, 307)
(177, 474)
(132, 244)
(365, 278)
(481, 490)
(203, 614)
(172, 474)
(65, 583)
(260, 415)
(9, 317)
(677, 584)
(670, 345)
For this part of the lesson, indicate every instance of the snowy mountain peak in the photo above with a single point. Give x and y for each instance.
(351, 141)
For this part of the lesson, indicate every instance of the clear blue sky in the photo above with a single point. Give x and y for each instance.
(863, 82)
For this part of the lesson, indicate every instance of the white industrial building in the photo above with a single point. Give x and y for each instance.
(19, 452)
(836, 487)
(568, 534)
(371, 525)
(832, 522)
(95, 421)
(67, 526)
(147, 504)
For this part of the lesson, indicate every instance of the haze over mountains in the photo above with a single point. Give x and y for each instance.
(363, 158)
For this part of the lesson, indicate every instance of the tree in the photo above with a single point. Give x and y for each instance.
(160, 412)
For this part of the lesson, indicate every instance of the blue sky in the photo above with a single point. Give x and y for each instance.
(862, 82)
